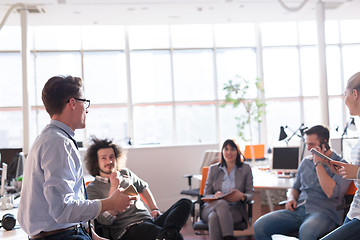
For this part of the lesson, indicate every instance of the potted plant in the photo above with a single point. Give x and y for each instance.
(237, 93)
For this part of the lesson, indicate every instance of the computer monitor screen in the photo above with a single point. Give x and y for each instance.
(285, 159)
(11, 157)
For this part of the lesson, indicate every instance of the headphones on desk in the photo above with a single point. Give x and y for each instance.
(8, 221)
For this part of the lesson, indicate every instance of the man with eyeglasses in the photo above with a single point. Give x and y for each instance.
(53, 201)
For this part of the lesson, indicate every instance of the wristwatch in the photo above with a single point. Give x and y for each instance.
(317, 163)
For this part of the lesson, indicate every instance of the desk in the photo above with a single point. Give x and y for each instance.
(17, 233)
(264, 181)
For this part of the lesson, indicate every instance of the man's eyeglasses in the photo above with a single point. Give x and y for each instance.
(86, 102)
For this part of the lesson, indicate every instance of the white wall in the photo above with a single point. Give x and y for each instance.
(163, 168)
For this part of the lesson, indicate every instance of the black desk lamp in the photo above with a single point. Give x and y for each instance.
(349, 125)
(301, 129)
(283, 134)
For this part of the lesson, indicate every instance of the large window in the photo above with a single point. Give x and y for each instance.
(164, 84)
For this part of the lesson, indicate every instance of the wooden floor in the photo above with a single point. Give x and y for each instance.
(189, 234)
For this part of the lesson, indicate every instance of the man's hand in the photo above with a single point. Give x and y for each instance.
(118, 202)
(155, 213)
(114, 180)
(291, 205)
(317, 158)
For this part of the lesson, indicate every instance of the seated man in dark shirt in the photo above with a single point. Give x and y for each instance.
(137, 222)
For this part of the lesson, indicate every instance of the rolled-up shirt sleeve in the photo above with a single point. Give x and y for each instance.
(341, 185)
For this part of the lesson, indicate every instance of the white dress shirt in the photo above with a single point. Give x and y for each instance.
(52, 195)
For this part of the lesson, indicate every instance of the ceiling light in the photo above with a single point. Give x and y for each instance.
(32, 9)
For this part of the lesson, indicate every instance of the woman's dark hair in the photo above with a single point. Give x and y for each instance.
(239, 156)
(91, 157)
(58, 90)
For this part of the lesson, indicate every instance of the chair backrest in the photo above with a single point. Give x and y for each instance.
(209, 157)
(204, 174)
(259, 151)
(87, 183)
(199, 224)
(352, 189)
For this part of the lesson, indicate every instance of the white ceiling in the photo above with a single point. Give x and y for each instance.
(175, 11)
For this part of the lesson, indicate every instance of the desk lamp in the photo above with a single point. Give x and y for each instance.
(349, 125)
(283, 134)
(301, 129)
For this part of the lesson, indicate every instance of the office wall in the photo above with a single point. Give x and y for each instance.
(163, 168)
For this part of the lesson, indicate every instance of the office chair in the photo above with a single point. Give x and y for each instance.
(196, 215)
(101, 230)
(258, 151)
(209, 157)
(349, 195)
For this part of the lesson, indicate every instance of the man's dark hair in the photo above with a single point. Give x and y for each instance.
(91, 157)
(239, 156)
(320, 131)
(58, 90)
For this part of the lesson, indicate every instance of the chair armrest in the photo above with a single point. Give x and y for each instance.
(189, 177)
(250, 210)
(282, 203)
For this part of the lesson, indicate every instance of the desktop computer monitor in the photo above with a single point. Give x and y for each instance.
(285, 159)
(13, 159)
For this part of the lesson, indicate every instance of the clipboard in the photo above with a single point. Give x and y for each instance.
(319, 154)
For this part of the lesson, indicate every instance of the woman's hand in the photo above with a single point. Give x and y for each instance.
(218, 194)
(235, 196)
(346, 170)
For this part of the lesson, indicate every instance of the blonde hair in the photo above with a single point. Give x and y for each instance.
(354, 82)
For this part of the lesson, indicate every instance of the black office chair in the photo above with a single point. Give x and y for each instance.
(194, 192)
(196, 215)
(200, 225)
(102, 230)
(209, 157)
(348, 199)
